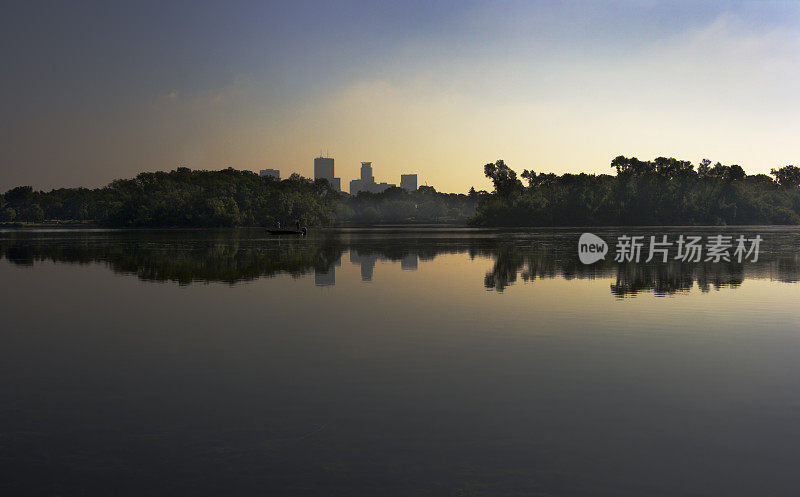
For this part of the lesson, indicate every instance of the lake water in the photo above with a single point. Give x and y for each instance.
(394, 362)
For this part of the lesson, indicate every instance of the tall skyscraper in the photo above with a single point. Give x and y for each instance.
(367, 181)
(323, 168)
(366, 172)
(408, 182)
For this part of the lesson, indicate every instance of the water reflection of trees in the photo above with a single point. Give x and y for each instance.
(239, 255)
(675, 277)
(183, 257)
(782, 263)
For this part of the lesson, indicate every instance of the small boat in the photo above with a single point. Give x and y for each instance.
(301, 231)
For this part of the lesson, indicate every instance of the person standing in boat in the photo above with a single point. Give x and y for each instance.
(298, 225)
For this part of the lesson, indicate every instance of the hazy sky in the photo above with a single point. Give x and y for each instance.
(93, 91)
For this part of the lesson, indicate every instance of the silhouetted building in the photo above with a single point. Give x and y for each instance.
(366, 172)
(408, 182)
(367, 181)
(323, 168)
(275, 173)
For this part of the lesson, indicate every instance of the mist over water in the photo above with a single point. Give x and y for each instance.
(394, 361)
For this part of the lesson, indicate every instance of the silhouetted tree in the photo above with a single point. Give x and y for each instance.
(787, 176)
(664, 191)
(7, 214)
(504, 178)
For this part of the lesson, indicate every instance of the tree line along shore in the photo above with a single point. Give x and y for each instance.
(664, 191)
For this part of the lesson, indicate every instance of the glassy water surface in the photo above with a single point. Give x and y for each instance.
(394, 361)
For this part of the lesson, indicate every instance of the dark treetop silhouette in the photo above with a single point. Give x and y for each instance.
(184, 197)
(664, 191)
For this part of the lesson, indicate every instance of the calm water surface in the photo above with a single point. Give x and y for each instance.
(393, 362)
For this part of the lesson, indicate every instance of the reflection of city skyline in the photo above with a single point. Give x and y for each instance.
(235, 256)
(327, 276)
(409, 262)
(368, 260)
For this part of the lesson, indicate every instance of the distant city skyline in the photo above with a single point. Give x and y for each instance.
(325, 168)
(367, 261)
(108, 90)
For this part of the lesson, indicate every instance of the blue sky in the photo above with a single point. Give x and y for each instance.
(94, 91)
